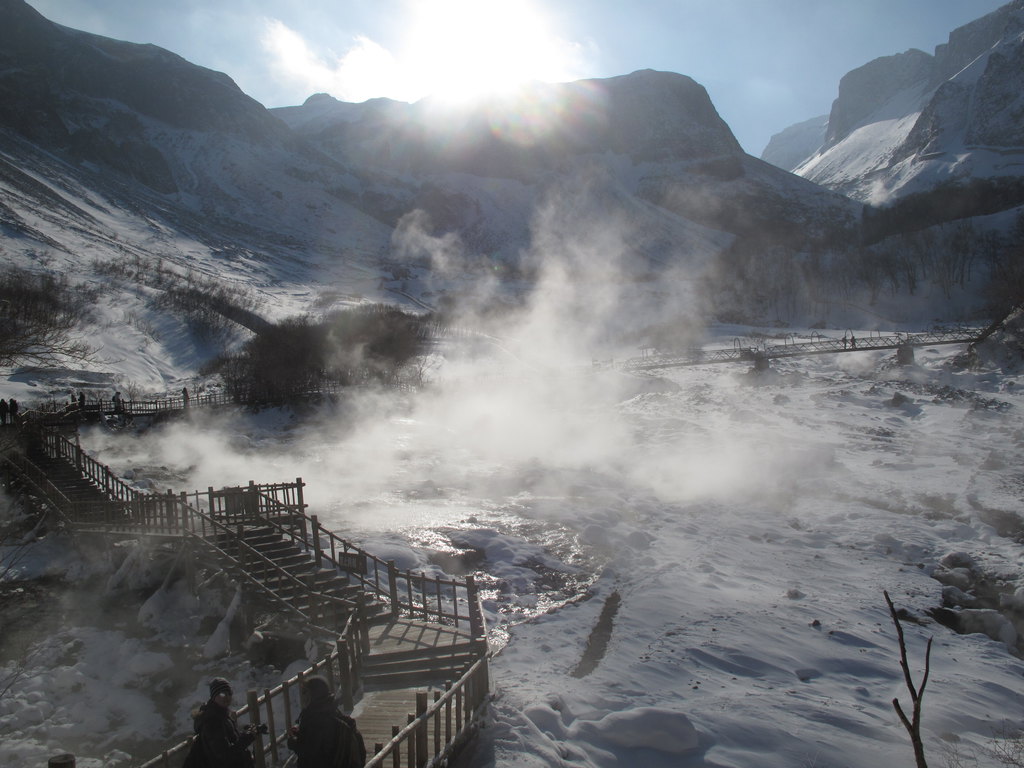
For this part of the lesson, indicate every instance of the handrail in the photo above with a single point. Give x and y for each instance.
(129, 509)
(415, 595)
(275, 705)
(462, 702)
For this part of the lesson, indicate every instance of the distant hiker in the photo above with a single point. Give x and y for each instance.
(324, 737)
(184, 395)
(219, 742)
(81, 401)
(853, 341)
(118, 403)
(12, 408)
(3, 412)
(844, 341)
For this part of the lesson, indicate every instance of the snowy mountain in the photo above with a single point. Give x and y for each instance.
(150, 155)
(913, 123)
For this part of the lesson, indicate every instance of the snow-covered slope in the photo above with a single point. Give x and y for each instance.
(421, 204)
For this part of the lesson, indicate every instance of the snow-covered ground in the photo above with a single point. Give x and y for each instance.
(746, 525)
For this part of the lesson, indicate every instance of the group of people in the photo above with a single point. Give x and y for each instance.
(8, 412)
(323, 737)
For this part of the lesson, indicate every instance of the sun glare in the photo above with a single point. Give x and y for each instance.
(452, 50)
(461, 49)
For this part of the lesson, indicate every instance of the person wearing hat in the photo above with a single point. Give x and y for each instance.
(323, 736)
(219, 742)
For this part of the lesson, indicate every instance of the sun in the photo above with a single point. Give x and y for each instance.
(458, 50)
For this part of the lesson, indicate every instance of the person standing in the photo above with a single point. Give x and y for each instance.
(12, 408)
(324, 737)
(3, 412)
(219, 742)
(184, 396)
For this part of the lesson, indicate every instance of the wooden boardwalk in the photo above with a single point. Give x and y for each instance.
(406, 645)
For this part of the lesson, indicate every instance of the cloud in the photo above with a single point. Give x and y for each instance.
(366, 70)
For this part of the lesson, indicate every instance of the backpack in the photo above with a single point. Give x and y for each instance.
(351, 751)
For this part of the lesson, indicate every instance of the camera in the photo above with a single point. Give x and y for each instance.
(261, 728)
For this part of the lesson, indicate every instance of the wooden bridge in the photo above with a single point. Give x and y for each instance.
(770, 349)
(408, 652)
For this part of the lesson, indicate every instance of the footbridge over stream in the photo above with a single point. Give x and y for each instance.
(406, 652)
(772, 349)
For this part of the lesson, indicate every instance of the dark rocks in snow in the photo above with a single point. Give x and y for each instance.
(976, 602)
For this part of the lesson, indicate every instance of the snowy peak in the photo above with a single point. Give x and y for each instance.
(40, 59)
(910, 123)
(647, 116)
(864, 93)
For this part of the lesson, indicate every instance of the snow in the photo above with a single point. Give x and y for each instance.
(749, 524)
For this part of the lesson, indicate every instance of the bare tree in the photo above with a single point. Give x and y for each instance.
(38, 316)
(912, 724)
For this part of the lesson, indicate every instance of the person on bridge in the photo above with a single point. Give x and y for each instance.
(184, 396)
(853, 341)
(324, 737)
(219, 742)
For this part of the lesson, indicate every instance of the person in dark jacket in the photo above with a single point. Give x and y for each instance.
(222, 744)
(316, 739)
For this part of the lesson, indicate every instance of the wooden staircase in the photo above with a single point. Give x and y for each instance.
(392, 630)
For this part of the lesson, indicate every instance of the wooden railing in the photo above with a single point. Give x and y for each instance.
(279, 506)
(417, 595)
(278, 707)
(439, 729)
(411, 594)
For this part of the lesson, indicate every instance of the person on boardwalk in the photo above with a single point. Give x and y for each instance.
(184, 396)
(3, 412)
(853, 341)
(12, 408)
(323, 736)
(219, 742)
(118, 402)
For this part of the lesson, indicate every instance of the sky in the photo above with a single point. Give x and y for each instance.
(766, 65)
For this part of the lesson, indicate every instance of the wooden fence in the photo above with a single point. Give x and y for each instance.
(213, 521)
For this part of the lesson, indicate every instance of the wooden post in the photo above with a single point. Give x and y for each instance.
(421, 730)
(437, 725)
(183, 505)
(254, 718)
(448, 735)
(317, 553)
(396, 753)
(473, 598)
(411, 760)
(271, 727)
(298, 486)
(393, 587)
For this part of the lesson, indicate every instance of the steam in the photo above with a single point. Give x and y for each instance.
(519, 409)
